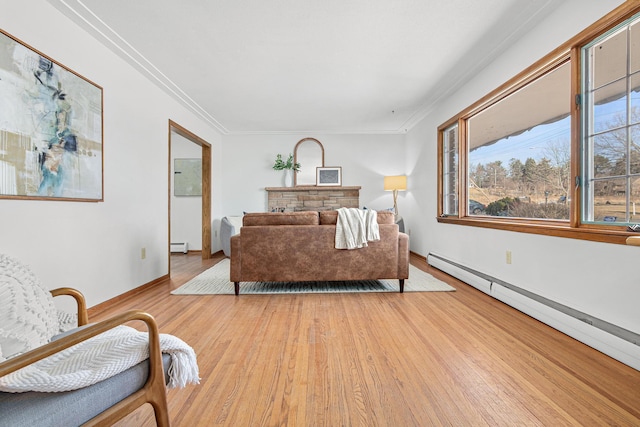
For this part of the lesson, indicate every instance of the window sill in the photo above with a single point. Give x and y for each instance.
(616, 235)
(633, 240)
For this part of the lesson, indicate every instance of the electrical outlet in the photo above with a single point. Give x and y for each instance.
(508, 257)
(143, 253)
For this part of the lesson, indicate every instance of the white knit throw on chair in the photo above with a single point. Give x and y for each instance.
(99, 358)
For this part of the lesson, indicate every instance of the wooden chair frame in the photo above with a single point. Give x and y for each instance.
(154, 390)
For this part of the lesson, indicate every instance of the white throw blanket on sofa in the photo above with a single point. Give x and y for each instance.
(356, 227)
(99, 358)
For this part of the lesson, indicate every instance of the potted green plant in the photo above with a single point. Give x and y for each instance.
(288, 166)
(282, 165)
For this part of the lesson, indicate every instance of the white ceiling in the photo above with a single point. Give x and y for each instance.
(323, 66)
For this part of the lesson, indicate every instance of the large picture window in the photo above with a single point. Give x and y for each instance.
(519, 151)
(556, 149)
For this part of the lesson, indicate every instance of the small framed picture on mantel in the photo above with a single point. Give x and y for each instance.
(329, 176)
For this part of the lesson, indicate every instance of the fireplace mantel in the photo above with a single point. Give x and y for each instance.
(312, 198)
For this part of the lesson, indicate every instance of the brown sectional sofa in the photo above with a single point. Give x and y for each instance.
(300, 246)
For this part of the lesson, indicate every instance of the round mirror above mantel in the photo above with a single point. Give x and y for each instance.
(309, 152)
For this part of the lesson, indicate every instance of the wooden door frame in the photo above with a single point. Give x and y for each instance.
(206, 186)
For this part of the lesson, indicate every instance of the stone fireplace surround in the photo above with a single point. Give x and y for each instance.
(312, 198)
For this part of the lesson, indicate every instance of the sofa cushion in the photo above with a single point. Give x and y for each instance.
(281, 218)
(331, 217)
(386, 217)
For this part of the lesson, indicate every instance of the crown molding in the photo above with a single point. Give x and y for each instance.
(85, 18)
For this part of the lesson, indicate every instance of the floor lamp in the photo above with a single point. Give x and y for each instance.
(395, 183)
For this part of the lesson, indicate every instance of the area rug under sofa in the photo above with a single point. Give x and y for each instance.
(215, 281)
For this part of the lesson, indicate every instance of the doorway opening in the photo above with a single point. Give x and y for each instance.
(176, 129)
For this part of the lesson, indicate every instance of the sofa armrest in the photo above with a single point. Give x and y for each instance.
(236, 256)
(83, 316)
(403, 256)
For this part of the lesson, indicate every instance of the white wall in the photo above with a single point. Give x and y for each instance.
(96, 246)
(186, 211)
(365, 160)
(597, 278)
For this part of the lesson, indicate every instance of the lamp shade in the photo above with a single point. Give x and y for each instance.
(397, 182)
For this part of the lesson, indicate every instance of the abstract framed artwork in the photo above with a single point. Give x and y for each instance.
(51, 136)
(329, 176)
(187, 177)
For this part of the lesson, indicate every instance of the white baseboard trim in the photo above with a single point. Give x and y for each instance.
(460, 273)
(612, 340)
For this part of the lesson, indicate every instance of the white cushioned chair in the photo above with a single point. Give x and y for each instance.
(229, 226)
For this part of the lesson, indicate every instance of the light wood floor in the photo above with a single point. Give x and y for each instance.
(415, 359)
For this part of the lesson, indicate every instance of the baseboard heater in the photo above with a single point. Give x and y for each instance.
(180, 247)
(617, 342)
